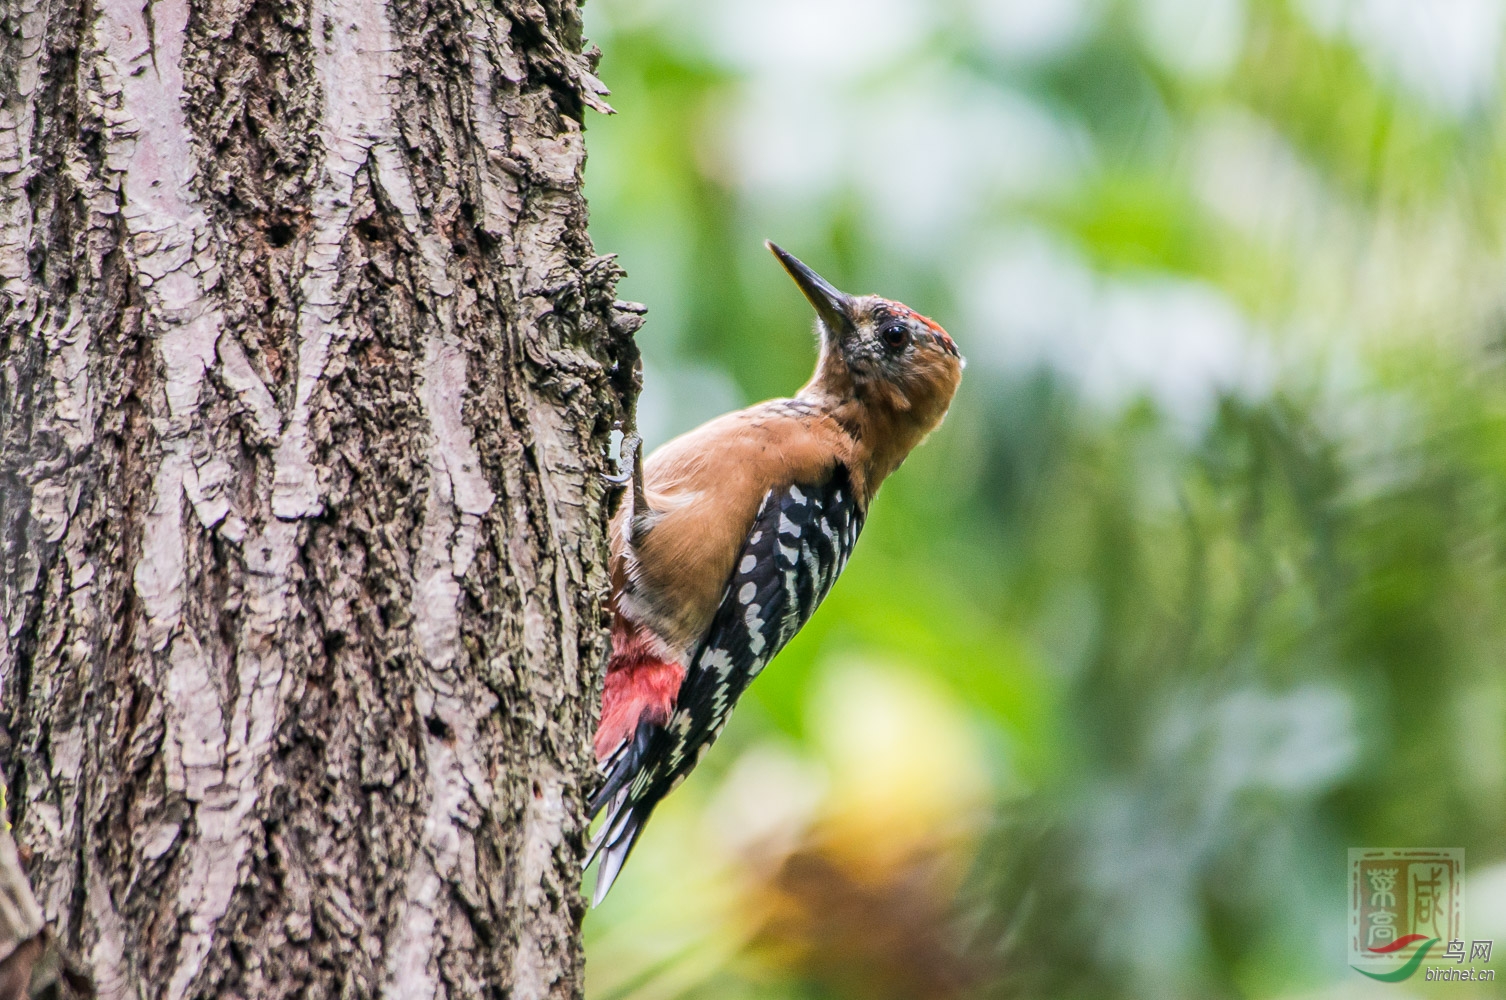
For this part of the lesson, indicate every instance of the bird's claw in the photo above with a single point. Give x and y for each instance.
(630, 460)
(639, 514)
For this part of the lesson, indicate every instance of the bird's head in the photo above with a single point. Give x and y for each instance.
(879, 353)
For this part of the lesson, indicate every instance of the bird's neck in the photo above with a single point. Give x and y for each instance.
(877, 419)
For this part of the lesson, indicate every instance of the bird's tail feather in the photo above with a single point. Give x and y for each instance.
(622, 766)
(625, 814)
(615, 842)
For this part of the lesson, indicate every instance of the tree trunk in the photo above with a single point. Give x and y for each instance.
(307, 372)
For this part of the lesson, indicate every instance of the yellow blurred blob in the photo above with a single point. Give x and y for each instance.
(906, 768)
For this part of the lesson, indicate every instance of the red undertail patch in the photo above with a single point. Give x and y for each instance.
(641, 686)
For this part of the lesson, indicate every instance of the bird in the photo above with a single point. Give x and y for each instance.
(729, 536)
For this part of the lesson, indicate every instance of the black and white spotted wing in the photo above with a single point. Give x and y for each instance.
(799, 544)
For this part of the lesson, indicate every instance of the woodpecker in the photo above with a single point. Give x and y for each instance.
(729, 536)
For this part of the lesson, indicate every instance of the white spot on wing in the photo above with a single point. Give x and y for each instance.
(749, 561)
(746, 593)
(796, 495)
(786, 526)
(712, 659)
(755, 624)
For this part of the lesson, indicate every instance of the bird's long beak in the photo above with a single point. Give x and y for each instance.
(831, 305)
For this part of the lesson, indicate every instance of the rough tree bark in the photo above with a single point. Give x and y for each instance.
(307, 372)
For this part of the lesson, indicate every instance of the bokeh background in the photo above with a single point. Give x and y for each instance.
(1200, 584)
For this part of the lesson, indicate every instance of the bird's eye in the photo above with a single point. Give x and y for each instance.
(895, 336)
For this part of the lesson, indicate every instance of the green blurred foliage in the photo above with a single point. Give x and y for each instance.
(1200, 584)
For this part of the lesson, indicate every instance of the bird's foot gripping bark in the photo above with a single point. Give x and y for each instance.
(640, 515)
(630, 460)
